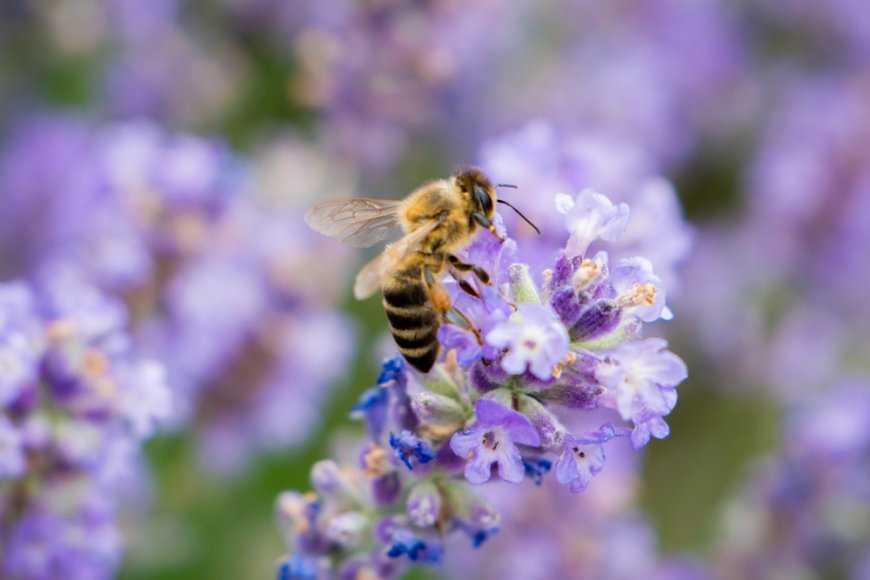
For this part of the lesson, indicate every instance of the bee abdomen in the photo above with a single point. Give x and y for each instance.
(414, 324)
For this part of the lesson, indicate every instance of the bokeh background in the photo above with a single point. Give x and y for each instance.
(164, 152)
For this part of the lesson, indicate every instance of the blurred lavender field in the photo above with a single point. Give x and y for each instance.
(177, 347)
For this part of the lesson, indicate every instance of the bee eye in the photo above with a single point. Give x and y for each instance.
(482, 198)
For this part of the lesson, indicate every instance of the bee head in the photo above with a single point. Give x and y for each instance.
(477, 189)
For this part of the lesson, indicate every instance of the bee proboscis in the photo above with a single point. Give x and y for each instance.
(438, 220)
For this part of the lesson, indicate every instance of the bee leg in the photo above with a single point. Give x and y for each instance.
(441, 301)
(464, 285)
(487, 223)
(479, 273)
(468, 288)
(461, 266)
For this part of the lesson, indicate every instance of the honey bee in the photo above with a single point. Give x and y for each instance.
(438, 220)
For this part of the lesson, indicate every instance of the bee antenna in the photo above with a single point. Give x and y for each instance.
(510, 185)
(519, 213)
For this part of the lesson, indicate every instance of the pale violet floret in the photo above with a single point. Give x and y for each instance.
(591, 216)
(535, 340)
(640, 380)
(582, 456)
(578, 464)
(639, 291)
(493, 441)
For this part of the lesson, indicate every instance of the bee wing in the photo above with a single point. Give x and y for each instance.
(369, 278)
(357, 221)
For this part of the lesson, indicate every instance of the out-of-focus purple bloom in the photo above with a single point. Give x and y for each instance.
(20, 347)
(298, 567)
(537, 342)
(802, 507)
(176, 226)
(493, 440)
(12, 459)
(536, 469)
(70, 438)
(328, 479)
(406, 544)
(373, 406)
(147, 402)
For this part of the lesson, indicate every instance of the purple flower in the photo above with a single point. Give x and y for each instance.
(75, 440)
(393, 371)
(12, 459)
(655, 427)
(639, 292)
(486, 313)
(373, 406)
(578, 463)
(19, 347)
(410, 449)
(641, 379)
(493, 440)
(405, 543)
(583, 457)
(537, 341)
(147, 401)
(537, 468)
(328, 479)
(298, 567)
(589, 217)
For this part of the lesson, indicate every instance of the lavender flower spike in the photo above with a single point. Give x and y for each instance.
(493, 441)
(561, 340)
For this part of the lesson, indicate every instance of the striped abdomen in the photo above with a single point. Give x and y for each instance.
(413, 321)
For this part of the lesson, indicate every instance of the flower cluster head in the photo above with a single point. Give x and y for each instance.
(546, 366)
(75, 404)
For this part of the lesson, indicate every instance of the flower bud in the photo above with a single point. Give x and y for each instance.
(296, 513)
(438, 409)
(548, 426)
(442, 382)
(386, 489)
(347, 529)
(328, 479)
(478, 518)
(424, 504)
(600, 319)
(521, 284)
